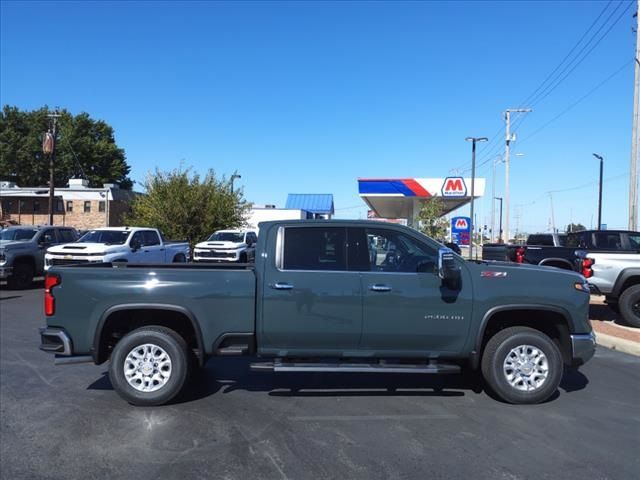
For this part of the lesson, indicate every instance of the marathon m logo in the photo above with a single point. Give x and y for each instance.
(461, 224)
(454, 187)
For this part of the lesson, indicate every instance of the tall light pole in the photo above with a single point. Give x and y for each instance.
(500, 231)
(508, 139)
(473, 141)
(49, 148)
(233, 177)
(497, 159)
(599, 157)
(635, 135)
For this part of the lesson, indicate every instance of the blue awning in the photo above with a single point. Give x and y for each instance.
(317, 203)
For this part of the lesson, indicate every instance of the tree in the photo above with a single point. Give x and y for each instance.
(575, 227)
(183, 205)
(432, 223)
(85, 148)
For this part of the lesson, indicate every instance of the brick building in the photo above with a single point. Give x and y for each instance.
(76, 205)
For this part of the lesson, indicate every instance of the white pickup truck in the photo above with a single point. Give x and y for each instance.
(227, 246)
(118, 244)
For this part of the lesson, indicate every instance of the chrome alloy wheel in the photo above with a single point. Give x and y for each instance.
(526, 368)
(147, 368)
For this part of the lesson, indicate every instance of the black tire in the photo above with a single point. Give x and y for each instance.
(243, 257)
(629, 304)
(496, 352)
(174, 346)
(180, 258)
(21, 277)
(612, 303)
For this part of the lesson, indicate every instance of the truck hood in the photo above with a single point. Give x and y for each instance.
(220, 245)
(85, 248)
(13, 245)
(523, 268)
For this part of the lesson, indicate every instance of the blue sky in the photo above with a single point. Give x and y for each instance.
(307, 97)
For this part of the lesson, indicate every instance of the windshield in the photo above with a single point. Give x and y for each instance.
(108, 237)
(234, 237)
(18, 234)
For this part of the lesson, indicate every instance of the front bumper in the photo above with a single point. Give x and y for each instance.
(583, 347)
(5, 272)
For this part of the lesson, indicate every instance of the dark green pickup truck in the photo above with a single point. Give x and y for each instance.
(324, 296)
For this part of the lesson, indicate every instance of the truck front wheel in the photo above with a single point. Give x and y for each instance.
(149, 366)
(22, 277)
(522, 365)
(629, 303)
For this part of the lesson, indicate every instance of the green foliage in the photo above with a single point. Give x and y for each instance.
(432, 223)
(575, 227)
(184, 205)
(97, 157)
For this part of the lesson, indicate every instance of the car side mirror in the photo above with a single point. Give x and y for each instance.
(135, 245)
(448, 271)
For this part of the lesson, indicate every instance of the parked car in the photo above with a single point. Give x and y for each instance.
(227, 246)
(22, 250)
(611, 263)
(119, 244)
(324, 296)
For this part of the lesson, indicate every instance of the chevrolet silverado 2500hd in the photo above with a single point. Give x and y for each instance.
(323, 296)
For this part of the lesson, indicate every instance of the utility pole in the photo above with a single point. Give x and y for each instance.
(553, 218)
(635, 135)
(500, 231)
(473, 141)
(599, 226)
(233, 178)
(49, 148)
(507, 150)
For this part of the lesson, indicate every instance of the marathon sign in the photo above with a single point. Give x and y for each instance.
(454, 187)
(461, 230)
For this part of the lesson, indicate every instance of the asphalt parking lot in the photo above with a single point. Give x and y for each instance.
(67, 422)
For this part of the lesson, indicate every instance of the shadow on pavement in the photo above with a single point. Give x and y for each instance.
(605, 313)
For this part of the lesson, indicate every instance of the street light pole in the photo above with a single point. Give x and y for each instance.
(49, 148)
(599, 157)
(473, 141)
(500, 231)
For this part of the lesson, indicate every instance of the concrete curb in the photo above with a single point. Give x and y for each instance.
(618, 344)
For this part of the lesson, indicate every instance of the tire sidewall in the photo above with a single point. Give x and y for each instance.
(499, 381)
(179, 367)
(625, 304)
(22, 276)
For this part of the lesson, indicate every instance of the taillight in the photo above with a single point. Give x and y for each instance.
(50, 281)
(520, 254)
(587, 271)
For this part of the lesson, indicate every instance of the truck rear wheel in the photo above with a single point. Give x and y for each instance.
(149, 366)
(522, 365)
(629, 304)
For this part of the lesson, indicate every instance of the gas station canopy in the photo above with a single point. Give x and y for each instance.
(402, 197)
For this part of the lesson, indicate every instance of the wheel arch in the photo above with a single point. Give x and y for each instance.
(556, 262)
(626, 278)
(558, 326)
(176, 313)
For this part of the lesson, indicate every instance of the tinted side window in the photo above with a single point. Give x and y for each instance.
(150, 238)
(391, 251)
(634, 241)
(608, 241)
(137, 237)
(48, 236)
(314, 248)
(542, 240)
(66, 236)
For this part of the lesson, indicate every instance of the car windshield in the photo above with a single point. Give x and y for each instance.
(234, 237)
(18, 234)
(108, 237)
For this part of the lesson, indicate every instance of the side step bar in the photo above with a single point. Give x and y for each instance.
(279, 367)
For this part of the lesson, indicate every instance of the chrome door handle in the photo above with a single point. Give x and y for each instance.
(281, 286)
(379, 288)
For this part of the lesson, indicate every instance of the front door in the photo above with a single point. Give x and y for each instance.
(311, 303)
(406, 310)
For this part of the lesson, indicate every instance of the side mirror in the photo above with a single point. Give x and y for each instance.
(135, 245)
(448, 271)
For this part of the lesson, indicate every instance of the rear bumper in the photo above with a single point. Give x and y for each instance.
(57, 341)
(583, 347)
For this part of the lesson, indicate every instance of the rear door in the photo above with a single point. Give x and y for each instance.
(311, 303)
(406, 309)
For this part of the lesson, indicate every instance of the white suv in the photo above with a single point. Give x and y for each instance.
(227, 246)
